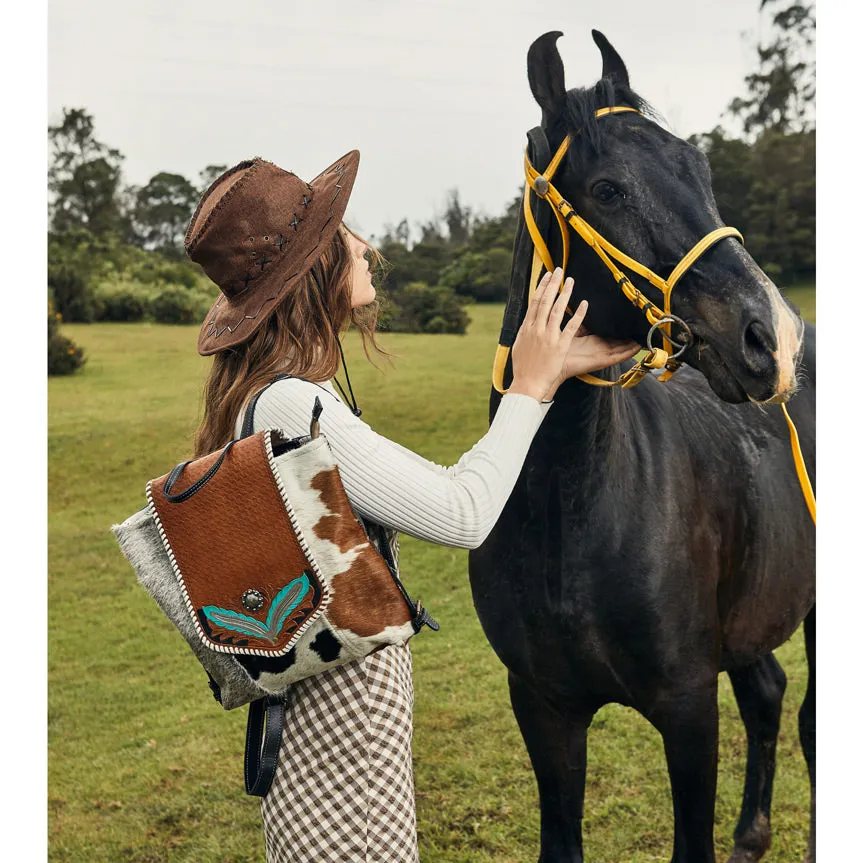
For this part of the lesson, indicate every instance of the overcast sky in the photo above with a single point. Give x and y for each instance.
(433, 93)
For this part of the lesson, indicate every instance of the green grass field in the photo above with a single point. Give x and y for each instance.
(145, 767)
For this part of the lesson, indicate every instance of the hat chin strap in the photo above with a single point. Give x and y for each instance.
(355, 410)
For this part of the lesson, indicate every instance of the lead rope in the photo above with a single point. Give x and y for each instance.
(800, 464)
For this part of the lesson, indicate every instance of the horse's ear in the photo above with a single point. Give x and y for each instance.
(545, 74)
(613, 66)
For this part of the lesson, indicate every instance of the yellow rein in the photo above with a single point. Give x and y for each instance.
(800, 465)
(665, 357)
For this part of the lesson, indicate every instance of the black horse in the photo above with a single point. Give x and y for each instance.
(656, 536)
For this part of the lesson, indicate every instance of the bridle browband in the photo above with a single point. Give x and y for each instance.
(668, 356)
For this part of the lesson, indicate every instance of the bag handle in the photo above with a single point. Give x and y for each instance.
(196, 486)
(176, 473)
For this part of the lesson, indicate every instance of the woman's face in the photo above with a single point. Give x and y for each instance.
(362, 290)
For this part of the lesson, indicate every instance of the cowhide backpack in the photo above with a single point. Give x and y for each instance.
(263, 567)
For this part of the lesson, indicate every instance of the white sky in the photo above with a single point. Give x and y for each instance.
(433, 93)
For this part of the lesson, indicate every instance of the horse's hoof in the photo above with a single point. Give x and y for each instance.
(752, 845)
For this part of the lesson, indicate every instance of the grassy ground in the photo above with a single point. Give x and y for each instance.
(803, 296)
(145, 767)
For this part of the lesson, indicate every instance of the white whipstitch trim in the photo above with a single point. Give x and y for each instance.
(231, 649)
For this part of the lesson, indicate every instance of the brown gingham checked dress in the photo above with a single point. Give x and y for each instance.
(344, 790)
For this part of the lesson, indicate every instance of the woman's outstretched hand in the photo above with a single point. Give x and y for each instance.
(544, 355)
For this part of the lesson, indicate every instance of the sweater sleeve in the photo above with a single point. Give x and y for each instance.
(398, 488)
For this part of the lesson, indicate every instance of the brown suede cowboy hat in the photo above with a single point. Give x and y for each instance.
(257, 230)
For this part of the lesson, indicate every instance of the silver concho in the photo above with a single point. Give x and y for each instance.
(253, 600)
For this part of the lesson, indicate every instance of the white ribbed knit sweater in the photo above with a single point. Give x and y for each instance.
(393, 486)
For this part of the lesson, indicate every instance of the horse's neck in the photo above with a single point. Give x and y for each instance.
(586, 417)
(590, 416)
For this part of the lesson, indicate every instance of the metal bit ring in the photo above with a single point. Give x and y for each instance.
(685, 337)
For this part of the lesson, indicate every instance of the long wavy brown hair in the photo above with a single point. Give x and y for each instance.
(300, 336)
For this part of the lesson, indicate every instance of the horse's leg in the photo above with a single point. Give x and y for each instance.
(758, 688)
(806, 724)
(688, 721)
(557, 745)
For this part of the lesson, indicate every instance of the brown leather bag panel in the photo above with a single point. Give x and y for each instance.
(241, 500)
(365, 600)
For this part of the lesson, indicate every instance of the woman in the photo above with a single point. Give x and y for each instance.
(292, 278)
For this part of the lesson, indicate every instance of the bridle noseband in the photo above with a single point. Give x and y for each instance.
(668, 356)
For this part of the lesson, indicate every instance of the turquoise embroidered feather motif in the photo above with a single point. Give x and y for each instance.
(287, 599)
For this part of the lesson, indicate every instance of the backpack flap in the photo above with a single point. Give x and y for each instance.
(244, 569)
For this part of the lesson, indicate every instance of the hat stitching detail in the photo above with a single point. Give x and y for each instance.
(214, 331)
(237, 168)
(252, 166)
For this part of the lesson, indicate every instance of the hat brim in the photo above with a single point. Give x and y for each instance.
(231, 322)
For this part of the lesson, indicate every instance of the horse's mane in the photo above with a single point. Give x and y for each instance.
(582, 103)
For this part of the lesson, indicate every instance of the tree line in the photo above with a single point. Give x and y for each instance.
(115, 252)
(763, 181)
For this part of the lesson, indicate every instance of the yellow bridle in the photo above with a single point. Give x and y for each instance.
(565, 214)
(661, 319)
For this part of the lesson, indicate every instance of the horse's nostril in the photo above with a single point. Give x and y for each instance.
(760, 338)
(759, 345)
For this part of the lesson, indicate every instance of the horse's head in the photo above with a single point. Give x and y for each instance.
(649, 194)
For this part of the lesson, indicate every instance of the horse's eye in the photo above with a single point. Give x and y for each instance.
(605, 193)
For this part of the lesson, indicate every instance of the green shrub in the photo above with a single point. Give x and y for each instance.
(125, 300)
(154, 269)
(418, 308)
(482, 275)
(72, 293)
(76, 260)
(438, 324)
(175, 304)
(64, 356)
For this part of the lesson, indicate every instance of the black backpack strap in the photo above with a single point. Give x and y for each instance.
(266, 715)
(249, 418)
(420, 616)
(263, 742)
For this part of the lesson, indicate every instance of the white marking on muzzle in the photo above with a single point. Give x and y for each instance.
(789, 333)
(789, 338)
